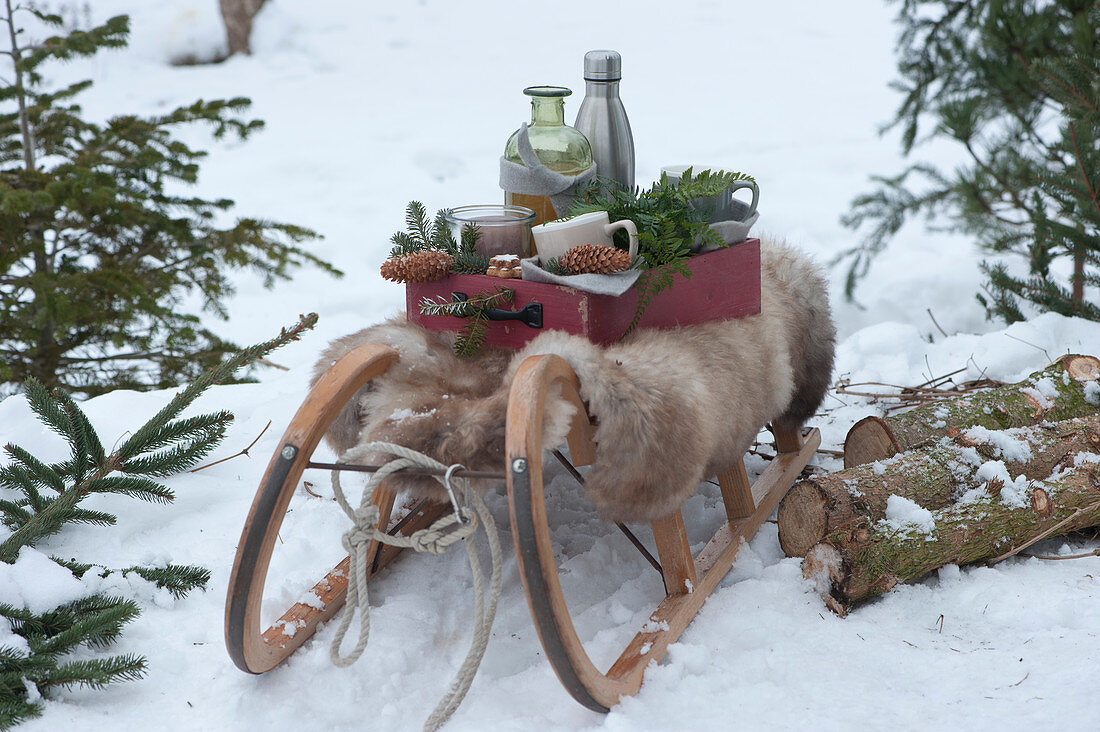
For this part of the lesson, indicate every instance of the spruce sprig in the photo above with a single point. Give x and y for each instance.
(474, 309)
(423, 235)
(49, 497)
(467, 260)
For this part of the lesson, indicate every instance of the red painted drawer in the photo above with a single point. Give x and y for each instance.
(725, 284)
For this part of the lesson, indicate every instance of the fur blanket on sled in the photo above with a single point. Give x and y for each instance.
(673, 407)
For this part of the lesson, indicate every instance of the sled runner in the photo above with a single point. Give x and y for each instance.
(688, 579)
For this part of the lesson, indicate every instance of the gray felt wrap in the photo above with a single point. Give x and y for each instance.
(532, 178)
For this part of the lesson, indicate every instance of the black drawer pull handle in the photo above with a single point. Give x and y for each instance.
(530, 314)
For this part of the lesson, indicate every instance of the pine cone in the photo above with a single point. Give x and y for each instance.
(589, 258)
(425, 266)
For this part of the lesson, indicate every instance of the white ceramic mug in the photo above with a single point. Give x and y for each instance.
(555, 238)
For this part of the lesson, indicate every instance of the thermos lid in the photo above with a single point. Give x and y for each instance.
(603, 65)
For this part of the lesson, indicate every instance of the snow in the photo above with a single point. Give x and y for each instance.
(1092, 392)
(903, 514)
(399, 415)
(1047, 388)
(1007, 444)
(1014, 491)
(38, 584)
(371, 105)
(1044, 401)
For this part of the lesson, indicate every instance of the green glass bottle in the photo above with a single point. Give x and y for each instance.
(558, 146)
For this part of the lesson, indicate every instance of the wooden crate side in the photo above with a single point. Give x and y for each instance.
(725, 284)
(562, 309)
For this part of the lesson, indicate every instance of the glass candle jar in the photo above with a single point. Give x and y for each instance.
(504, 229)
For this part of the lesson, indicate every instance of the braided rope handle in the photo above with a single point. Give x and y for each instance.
(435, 539)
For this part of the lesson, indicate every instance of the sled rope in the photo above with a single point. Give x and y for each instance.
(436, 539)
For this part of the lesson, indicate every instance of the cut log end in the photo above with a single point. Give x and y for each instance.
(1082, 368)
(1041, 503)
(803, 518)
(868, 440)
(824, 566)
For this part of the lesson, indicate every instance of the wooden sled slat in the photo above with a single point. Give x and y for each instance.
(534, 551)
(250, 649)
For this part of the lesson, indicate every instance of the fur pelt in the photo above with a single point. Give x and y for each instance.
(673, 406)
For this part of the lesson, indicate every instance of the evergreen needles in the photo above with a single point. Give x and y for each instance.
(102, 251)
(669, 222)
(474, 309)
(423, 234)
(1015, 85)
(38, 499)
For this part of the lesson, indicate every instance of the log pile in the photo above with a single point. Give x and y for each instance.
(1038, 398)
(965, 491)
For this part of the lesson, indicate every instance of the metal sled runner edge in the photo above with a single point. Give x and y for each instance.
(688, 580)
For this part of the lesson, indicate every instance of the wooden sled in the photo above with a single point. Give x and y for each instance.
(688, 580)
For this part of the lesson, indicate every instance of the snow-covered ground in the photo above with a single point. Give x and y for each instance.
(370, 105)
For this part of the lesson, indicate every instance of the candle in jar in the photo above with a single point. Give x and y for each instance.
(502, 229)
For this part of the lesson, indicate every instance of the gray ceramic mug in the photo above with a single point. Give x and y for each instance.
(723, 207)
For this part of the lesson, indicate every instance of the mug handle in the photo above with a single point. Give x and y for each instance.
(631, 230)
(755, 193)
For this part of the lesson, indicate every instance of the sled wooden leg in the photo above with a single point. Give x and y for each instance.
(674, 551)
(255, 651)
(787, 440)
(534, 551)
(736, 491)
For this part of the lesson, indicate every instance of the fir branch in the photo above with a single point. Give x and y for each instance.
(402, 244)
(27, 470)
(86, 516)
(15, 709)
(128, 485)
(161, 447)
(472, 336)
(1030, 128)
(423, 235)
(177, 579)
(190, 429)
(97, 673)
(440, 234)
(467, 260)
(471, 234)
(94, 621)
(148, 433)
(553, 266)
(469, 263)
(416, 219)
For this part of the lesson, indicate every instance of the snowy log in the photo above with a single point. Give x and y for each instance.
(932, 476)
(858, 563)
(1070, 387)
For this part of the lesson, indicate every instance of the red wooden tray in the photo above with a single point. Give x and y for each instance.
(725, 284)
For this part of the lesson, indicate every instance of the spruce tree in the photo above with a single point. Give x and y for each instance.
(101, 255)
(1016, 85)
(38, 499)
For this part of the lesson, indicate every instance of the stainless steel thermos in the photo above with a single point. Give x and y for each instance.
(602, 118)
